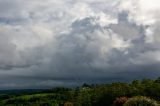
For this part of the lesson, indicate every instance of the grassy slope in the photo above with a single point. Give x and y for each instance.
(33, 99)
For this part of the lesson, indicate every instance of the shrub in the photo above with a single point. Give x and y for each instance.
(68, 104)
(120, 101)
(141, 101)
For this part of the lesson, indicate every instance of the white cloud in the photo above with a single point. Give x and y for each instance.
(54, 40)
(141, 11)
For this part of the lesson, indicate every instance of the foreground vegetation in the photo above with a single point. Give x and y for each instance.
(137, 93)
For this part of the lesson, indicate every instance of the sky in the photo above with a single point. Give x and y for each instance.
(51, 43)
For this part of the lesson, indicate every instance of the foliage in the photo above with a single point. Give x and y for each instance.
(120, 101)
(88, 95)
(141, 101)
(68, 104)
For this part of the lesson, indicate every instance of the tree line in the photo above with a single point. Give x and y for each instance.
(114, 94)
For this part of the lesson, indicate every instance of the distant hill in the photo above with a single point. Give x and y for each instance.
(141, 92)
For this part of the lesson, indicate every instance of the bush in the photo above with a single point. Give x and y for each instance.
(141, 101)
(68, 104)
(120, 101)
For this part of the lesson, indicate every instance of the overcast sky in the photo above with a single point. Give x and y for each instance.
(48, 43)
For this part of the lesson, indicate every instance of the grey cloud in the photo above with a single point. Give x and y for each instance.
(66, 43)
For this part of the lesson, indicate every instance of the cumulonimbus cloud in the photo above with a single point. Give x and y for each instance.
(56, 43)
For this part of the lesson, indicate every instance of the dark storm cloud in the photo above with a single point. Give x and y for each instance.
(66, 43)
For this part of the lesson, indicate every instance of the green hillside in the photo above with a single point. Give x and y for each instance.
(137, 93)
